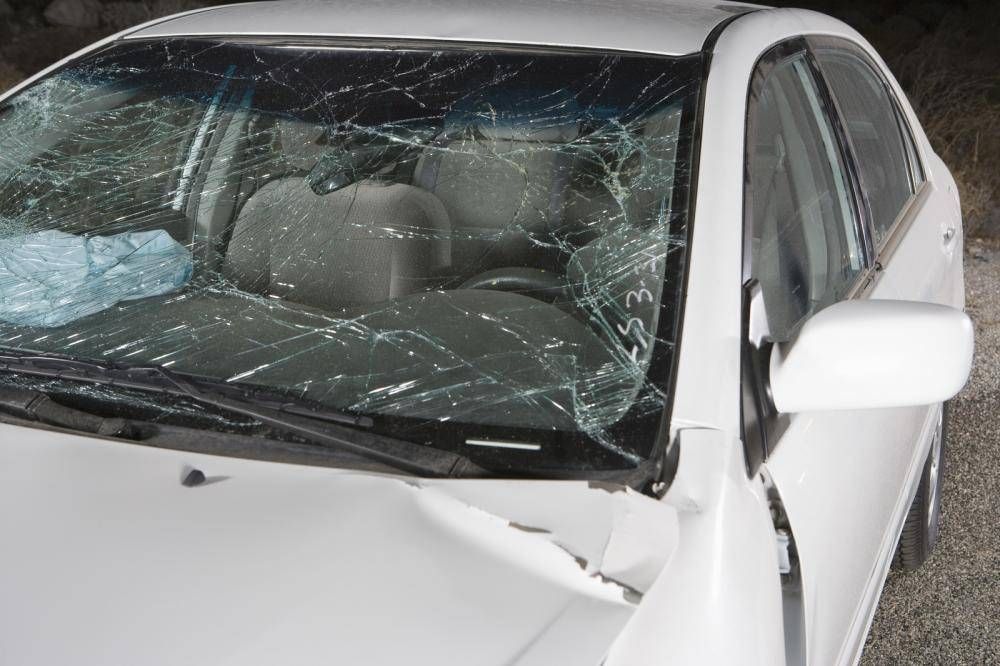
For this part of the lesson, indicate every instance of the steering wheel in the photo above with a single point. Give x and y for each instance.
(533, 282)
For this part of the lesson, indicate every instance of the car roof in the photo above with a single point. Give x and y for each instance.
(665, 27)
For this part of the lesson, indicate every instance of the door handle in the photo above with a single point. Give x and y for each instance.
(949, 235)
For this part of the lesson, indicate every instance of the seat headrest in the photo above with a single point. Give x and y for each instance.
(301, 145)
(516, 115)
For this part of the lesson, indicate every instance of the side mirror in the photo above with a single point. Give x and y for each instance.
(861, 354)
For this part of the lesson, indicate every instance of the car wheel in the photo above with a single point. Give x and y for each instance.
(920, 531)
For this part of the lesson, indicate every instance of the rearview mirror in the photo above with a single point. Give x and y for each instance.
(860, 354)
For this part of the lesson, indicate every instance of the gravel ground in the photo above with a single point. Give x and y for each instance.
(948, 612)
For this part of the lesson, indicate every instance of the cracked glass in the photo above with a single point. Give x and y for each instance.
(478, 249)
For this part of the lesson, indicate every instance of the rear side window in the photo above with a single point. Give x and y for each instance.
(881, 142)
(806, 252)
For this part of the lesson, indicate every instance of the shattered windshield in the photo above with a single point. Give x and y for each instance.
(480, 249)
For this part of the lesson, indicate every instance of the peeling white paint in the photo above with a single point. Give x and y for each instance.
(623, 536)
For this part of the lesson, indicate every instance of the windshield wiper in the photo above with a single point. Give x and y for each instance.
(159, 379)
(36, 406)
(319, 425)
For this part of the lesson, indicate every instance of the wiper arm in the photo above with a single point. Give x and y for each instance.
(319, 425)
(36, 406)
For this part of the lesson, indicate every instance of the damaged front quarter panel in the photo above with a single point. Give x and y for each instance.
(718, 601)
(613, 532)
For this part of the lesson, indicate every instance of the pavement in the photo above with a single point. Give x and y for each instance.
(948, 612)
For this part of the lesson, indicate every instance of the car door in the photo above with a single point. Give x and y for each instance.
(915, 221)
(844, 478)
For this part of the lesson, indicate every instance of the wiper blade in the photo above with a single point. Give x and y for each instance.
(318, 425)
(160, 379)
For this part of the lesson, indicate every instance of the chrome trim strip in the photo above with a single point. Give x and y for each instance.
(913, 207)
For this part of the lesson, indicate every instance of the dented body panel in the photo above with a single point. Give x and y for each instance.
(718, 601)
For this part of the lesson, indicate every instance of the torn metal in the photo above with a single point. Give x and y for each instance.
(625, 537)
(480, 249)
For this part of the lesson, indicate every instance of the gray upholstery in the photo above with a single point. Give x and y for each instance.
(300, 143)
(362, 244)
(651, 184)
(503, 176)
(516, 114)
(618, 282)
(500, 196)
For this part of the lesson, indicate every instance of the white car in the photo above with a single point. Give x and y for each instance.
(444, 333)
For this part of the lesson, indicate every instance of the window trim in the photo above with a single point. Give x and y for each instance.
(904, 220)
(762, 428)
(916, 169)
(760, 423)
(862, 216)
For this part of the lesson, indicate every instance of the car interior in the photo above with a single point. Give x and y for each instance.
(514, 245)
(485, 203)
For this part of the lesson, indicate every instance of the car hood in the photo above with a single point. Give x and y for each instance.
(108, 558)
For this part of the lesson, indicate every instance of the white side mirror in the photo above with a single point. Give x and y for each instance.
(861, 354)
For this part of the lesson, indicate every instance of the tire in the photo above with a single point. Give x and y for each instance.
(923, 522)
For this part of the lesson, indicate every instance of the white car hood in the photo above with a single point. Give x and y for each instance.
(107, 558)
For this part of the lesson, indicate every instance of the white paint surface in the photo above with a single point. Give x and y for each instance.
(867, 354)
(108, 559)
(670, 27)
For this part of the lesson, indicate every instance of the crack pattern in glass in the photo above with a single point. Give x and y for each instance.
(467, 244)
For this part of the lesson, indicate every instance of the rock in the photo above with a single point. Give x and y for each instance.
(74, 13)
(5, 8)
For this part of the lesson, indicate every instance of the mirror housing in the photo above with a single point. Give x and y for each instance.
(860, 354)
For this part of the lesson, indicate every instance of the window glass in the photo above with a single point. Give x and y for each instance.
(462, 247)
(876, 134)
(805, 246)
